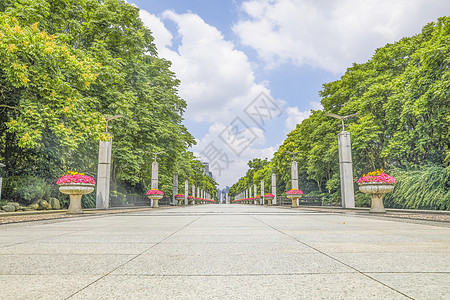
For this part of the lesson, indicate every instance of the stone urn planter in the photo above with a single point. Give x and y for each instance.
(180, 199)
(155, 195)
(294, 194)
(256, 200)
(376, 184)
(376, 190)
(190, 200)
(76, 185)
(269, 198)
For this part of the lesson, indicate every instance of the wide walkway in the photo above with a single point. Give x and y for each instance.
(225, 252)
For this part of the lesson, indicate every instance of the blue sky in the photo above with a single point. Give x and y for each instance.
(251, 70)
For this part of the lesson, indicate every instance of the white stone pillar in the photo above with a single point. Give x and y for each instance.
(274, 188)
(175, 188)
(255, 193)
(103, 175)
(154, 175)
(262, 192)
(186, 191)
(227, 199)
(346, 170)
(294, 175)
(193, 193)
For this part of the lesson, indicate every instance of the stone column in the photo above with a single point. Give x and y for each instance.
(294, 178)
(345, 165)
(294, 175)
(193, 193)
(154, 175)
(227, 199)
(186, 192)
(103, 174)
(262, 192)
(254, 194)
(274, 188)
(175, 188)
(154, 203)
(198, 192)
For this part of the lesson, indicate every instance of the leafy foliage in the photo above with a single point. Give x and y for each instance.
(65, 66)
(402, 97)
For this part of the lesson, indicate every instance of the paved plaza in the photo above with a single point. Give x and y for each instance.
(225, 252)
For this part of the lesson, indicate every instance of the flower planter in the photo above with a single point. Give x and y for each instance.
(75, 191)
(294, 194)
(376, 184)
(75, 185)
(155, 199)
(376, 190)
(294, 198)
(269, 198)
(179, 199)
(155, 195)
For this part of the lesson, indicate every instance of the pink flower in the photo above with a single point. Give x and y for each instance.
(190, 197)
(269, 195)
(179, 196)
(155, 192)
(77, 178)
(294, 192)
(383, 178)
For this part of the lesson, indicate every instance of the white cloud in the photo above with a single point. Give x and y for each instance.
(226, 165)
(217, 82)
(330, 34)
(295, 117)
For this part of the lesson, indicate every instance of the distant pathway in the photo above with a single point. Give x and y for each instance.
(224, 252)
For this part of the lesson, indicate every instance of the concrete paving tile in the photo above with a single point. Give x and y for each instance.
(226, 264)
(334, 236)
(391, 247)
(26, 287)
(67, 264)
(269, 248)
(311, 286)
(209, 239)
(417, 285)
(78, 248)
(114, 239)
(396, 262)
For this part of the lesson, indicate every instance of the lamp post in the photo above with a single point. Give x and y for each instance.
(345, 163)
(104, 169)
(274, 187)
(1, 180)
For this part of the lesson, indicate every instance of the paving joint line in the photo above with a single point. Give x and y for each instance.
(335, 259)
(131, 259)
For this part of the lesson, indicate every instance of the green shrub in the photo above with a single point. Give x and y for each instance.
(26, 189)
(117, 198)
(422, 188)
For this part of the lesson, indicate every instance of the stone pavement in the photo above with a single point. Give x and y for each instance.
(225, 252)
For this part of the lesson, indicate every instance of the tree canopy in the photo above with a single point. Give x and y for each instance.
(67, 65)
(402, 97)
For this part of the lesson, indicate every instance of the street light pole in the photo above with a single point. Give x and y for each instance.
(345, 163)
(104, 169)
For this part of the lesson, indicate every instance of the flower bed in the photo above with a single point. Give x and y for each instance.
(294, 192)
(74, 177)
(155, 192)
(269, 196)
(376, 176)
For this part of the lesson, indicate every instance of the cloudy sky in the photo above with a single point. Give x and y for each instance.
(251, 70)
